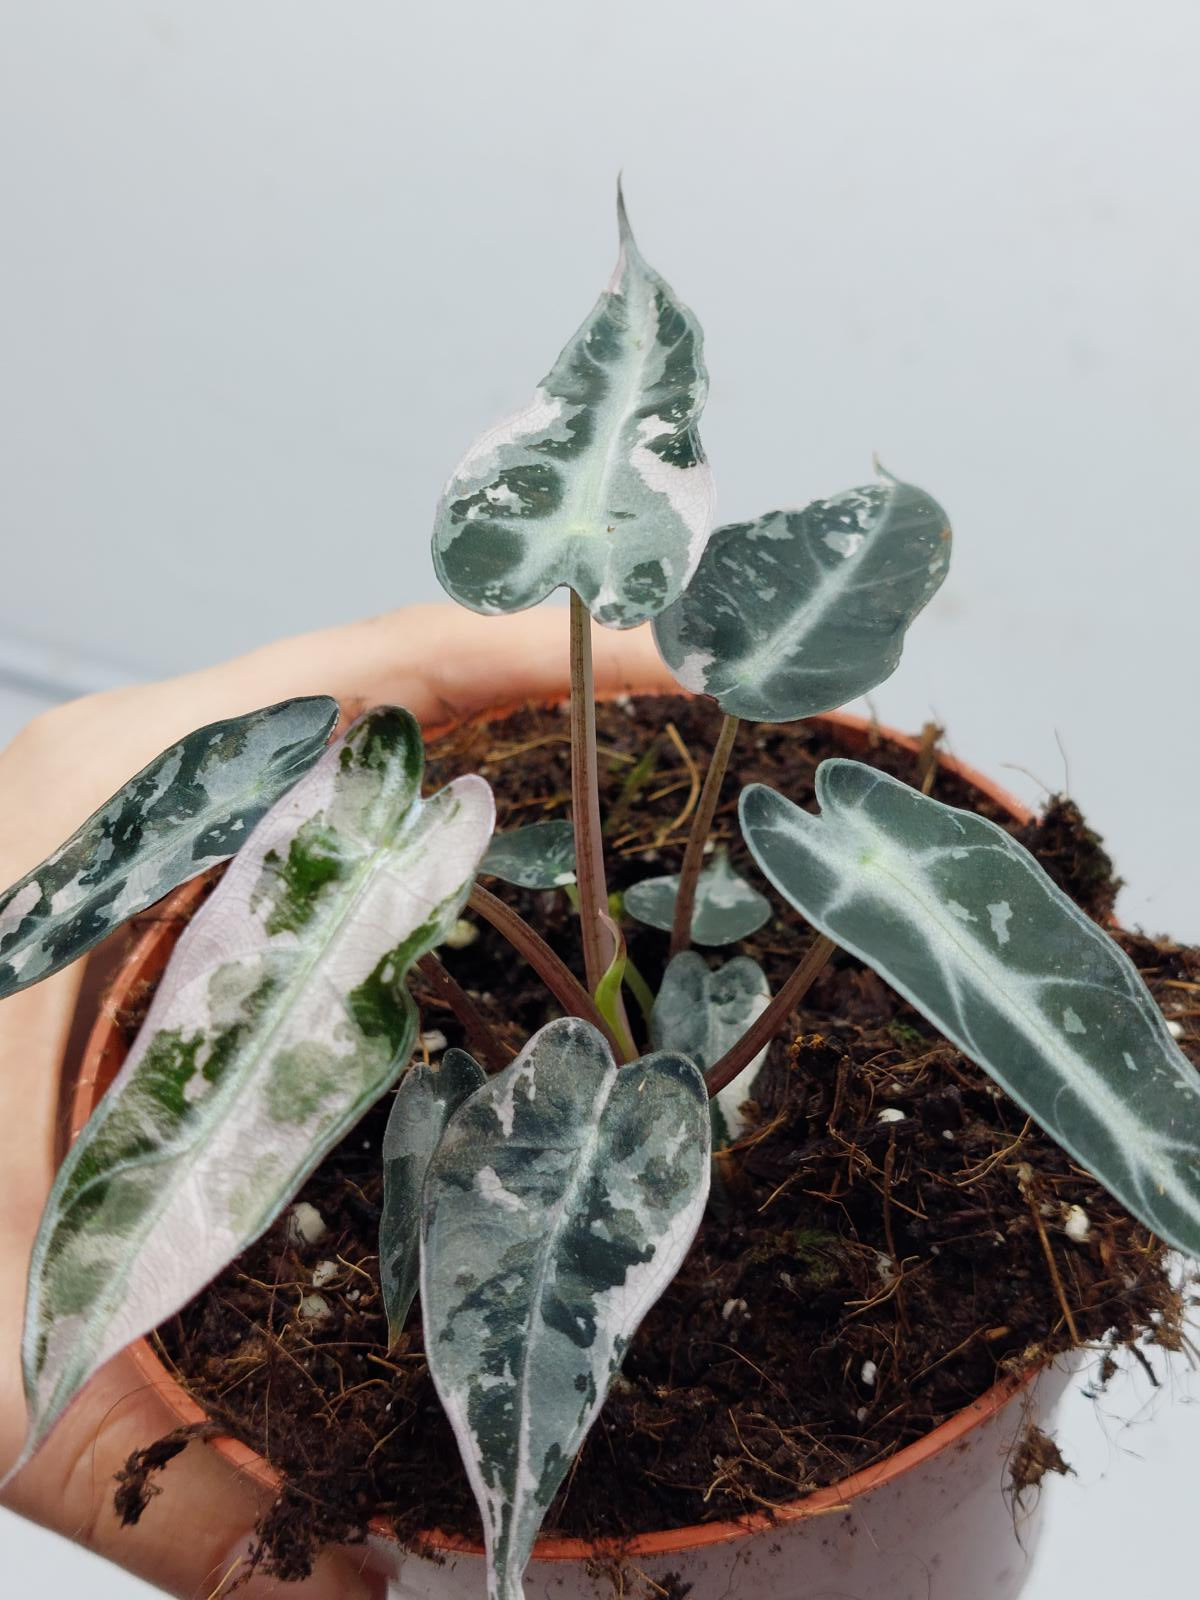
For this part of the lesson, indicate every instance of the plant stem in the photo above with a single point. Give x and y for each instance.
(599, 946)
(773, 1019)
(693, 856)
(483, 1041)
(554, 973)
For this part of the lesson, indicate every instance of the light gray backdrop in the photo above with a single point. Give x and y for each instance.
(267, 267)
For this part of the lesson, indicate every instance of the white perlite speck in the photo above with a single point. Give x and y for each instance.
(1077, 1225)
(462, 934)
(869, 1373)
(891, 1114)
(305, 1224)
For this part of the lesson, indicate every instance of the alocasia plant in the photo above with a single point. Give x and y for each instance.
(540, 1207)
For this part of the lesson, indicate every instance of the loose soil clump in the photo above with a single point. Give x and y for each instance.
(858, 1278)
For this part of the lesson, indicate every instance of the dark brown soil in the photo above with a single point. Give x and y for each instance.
(855, 1283)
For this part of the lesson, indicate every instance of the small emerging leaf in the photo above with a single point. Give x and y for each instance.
(727, 908)
(193, 806)
(427, 1098)
(801, 611)
(559, 1206)
(541, 856)
(703, 1014)
(962, 921)
(599, 482)
(282, 1016)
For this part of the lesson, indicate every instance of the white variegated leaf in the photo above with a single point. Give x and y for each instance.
(192, 807)
(282, 1015)
(962, 921)
(559, 1206)
(702, 1013)
(424, 1102)
(599, 482)
(727, 908)
(801, 611)
(541, 856)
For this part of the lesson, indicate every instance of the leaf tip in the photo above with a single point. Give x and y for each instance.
(624, 229)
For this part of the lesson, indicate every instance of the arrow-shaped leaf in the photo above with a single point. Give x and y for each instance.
(541, 856)
(559, 1205)
(962, 921)
(425, 1101)
(192, 807)
(727, 908)
(801, 611)
(702, 1014)
(282, 1016)
(599, 482)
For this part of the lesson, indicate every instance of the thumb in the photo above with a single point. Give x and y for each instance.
(195, 1535)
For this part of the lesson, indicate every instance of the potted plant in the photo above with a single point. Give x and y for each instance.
(539, 1195)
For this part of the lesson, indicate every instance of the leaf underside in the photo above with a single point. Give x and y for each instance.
(282, 1015)
(541, 856)
(559, 1206)
(702, 1013)
(962, 921)
(727, 908)
(599, 482)
(192, 807)
(801, 611)
(424, 1102)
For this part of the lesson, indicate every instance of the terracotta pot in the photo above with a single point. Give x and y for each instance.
(932, 1522)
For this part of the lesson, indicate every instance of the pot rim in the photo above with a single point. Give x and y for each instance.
(147, 953)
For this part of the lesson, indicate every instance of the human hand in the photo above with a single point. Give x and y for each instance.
(440, 662)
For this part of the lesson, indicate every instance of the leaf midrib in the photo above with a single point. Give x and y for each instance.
(587, 1153)
(1034, 1026)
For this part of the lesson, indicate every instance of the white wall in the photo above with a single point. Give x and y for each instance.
(267, 267)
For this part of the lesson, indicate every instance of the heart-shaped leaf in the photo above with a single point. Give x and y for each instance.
(282, 1015)
(541, 856)
(599, 482)
(560, 1204)
(727, 908)
(702, 1014)
(192, 807)
(962, 921)
(427, 1098)
(801, 611)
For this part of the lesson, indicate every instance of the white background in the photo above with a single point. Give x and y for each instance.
(268, 266)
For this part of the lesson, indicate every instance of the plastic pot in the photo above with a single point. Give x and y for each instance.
(934, 1521)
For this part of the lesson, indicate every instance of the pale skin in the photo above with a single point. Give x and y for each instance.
(438, 661)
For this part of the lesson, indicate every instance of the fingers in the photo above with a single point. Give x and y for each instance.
(438, 660)
(194, 1537)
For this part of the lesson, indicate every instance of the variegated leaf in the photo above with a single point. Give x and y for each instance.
(599, 482)
(560, 1204)
(282, 1015)
(801, 611)
(964, 923)
(192, 807)
(703, 1014)
(427, 1098)
(727, 908)
(541, 856)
